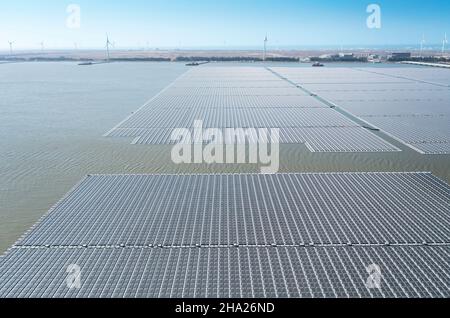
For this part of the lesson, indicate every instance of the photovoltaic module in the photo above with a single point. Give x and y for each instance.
(239, 235)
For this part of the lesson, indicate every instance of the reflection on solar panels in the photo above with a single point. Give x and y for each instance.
(242, 97)
(285, 235)
(409, 104)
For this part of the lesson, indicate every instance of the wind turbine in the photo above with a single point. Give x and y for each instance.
(422, 43)
(108, 43)
(444, 42)
(10, 46)
(42, 45)
(265, 48)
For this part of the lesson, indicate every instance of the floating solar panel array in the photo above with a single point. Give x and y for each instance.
(409, 104)
(246, 97)
(286, 235)
(425, 74)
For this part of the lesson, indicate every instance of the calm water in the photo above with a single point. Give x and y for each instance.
(53, 115)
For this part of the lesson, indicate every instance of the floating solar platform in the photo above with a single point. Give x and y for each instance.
(379, 87)
(338, 96)
(333, 75)
(396, 108)
(227, 79)
(269, 117)
(156, 118)
(327, 139)
(431, 75)
(437, 148)
(236, 91)
(426, 134)
(409, 104)
(237, 117)
(336, 139)
(285, 235)
(259, 99)
(244, 272)
(233, 84)
(178, 210)
(216, 101)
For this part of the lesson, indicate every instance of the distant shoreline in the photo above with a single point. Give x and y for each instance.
(190, 56)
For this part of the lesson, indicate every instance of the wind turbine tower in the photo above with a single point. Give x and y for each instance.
(422, 43)
(11, 47)
(444, 42)
(265, 48)
(108, 43)
(42, 45)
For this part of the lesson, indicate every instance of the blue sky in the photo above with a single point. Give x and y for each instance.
(222, 23)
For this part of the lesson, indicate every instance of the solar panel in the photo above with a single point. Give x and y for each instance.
(432, 148)
(237, 118)
(338, 96)
(337, 139)
(408, 86)
(285, 235)
(406, 107)
(333, 75)
(427, 134)
(156, 118)
(432, 75)
(286, 272)
(249, 209)
(233, 84)
(221, 99)
(215, 101)
(409, 104)
(267, 117)
(327, 139)
(237, 91)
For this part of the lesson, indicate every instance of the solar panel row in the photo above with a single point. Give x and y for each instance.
(336, 139)
(425, 134)
(227, 272)
(239, 118)
(241, 235)
(244, 97)
(410, 104)
(431, 75)
(249, 210)
(233, 101)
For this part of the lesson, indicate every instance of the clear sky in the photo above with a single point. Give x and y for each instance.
(221, 23)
